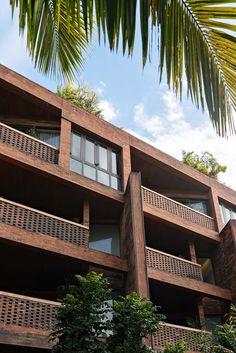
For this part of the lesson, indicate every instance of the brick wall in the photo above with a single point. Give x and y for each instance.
(224, 261)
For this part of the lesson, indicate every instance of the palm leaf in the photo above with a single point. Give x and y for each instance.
(56, 34)
(195, 40)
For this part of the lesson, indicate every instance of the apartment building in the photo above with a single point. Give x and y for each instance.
(79, 194)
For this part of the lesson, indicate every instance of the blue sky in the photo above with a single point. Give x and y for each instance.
(130, 97)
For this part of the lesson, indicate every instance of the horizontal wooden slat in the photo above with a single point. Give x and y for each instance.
(174, 333)
(28, 144)
(162, 202)
(173, 264)
(33, 220)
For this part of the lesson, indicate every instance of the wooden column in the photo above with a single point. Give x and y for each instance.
(126, 165)
(86, 213)
(201, 314)
(192, 251)
(215, 207)
(133, 238)
(65, 137)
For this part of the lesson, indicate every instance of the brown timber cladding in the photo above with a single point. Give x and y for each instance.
(173, 264)
(27, 312)
(36, 221)
(175, 334)
(164, 203)
(28, 144)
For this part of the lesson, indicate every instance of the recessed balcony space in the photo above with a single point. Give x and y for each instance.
(171, 195)
(28, 144)
(172, 207)
(182, 260)
(45, 273)
(173, 264)
(182, 316)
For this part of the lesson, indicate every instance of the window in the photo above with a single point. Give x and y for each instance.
(197, 205)
(227, 213)
(105, 238)
(50, 136)
(207, 269)
(95, 161)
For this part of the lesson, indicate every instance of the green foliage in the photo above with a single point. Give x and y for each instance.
(179, 347)
(204, 163)
(81, 322)
(134, 318)
(87, 323)
(81, 96)
(224, 338)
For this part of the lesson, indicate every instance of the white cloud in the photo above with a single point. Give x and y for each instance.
(173, 109)
(108, 110)
(171, 133)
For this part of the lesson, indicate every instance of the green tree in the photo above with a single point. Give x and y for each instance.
(81, 96)
(204, 163)
(86, 322)
(179, 347)
(196, 39)
(134, 319)
(81, 321)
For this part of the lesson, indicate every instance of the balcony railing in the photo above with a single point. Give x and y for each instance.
(28, 144)
(32, 220)
(164, 203)
(173, 264)
(173, 333)
(29, 312)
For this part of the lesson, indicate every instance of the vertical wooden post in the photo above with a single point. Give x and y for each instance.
(126, 165)
(215, 207)
(192, 251)
(86, 213)
(133, 243)
(65, 136)
(201, 314)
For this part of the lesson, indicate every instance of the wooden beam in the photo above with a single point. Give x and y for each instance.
(65, 137)
(215, 208)
(86, 213)
(201, 314)
(188, 284)
(126, 165)
(192, 251)
(44, 242)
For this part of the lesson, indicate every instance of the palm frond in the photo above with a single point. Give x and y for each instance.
(56, 34)
(196, 39)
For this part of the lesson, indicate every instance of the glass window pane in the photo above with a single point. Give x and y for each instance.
(89, 151)
(199, 206)
(89, 172)
(105, 238)
(114, 183)
(75, 145)
(75, 166)
(102, 157)
(51, 137)
(103, 178)
(114, 163)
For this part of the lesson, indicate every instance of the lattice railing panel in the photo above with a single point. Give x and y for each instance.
(28, 144)
(27, 312)
(173, 264)
(164, 203)
(173, 333)
(35, 221)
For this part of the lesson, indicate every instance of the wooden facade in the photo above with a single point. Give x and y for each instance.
(54, 220)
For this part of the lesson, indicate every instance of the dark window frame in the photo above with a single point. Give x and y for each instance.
(82, 159)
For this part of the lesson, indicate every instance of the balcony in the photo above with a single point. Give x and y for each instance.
(28, 144)
(174, 334)
(29, 312)
(29, 219)
(164, 203)
(172, 264)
